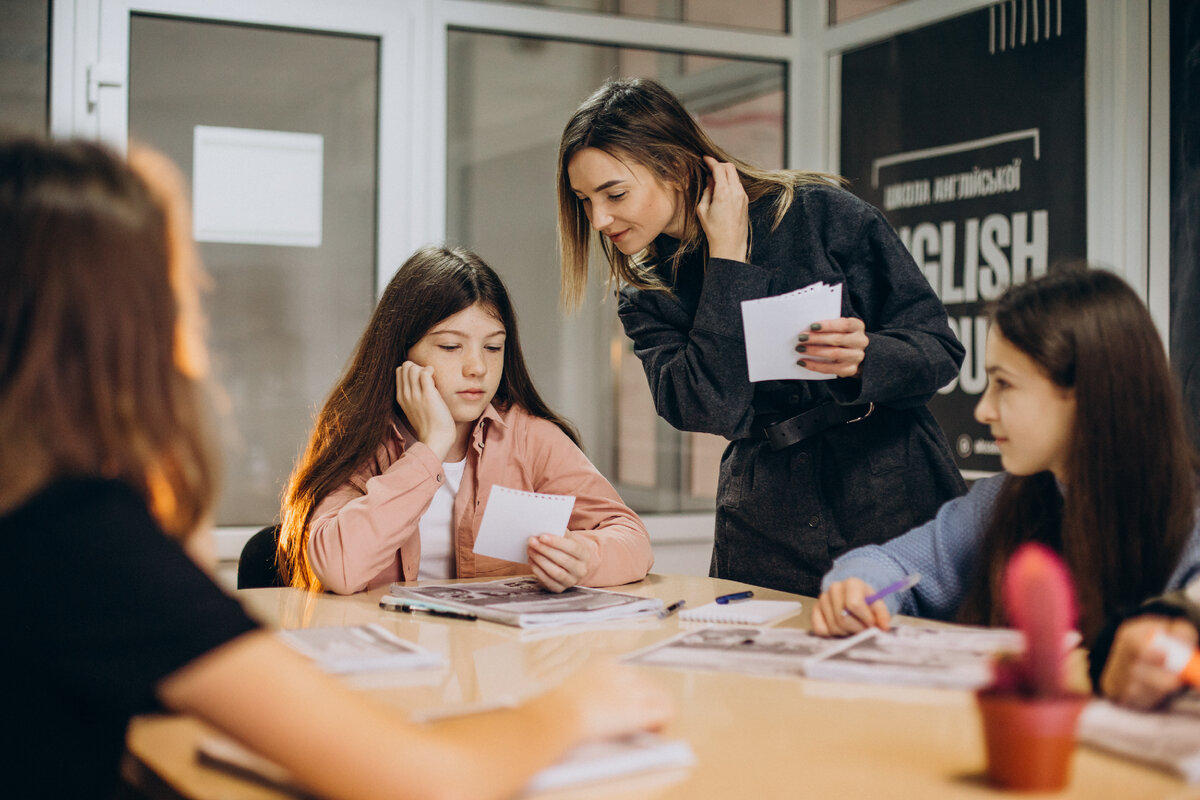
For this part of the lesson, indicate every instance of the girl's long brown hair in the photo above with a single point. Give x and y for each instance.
(100, 363)
(639, 120)
(1126, 512)
(435, 283)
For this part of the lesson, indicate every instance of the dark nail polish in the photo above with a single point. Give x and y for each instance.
(816, 326)
(801, 363)
(801, 348)
(803, 337)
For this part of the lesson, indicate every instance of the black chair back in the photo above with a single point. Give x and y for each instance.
(256, 565)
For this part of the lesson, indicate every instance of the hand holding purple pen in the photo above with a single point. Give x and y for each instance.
(907, 582)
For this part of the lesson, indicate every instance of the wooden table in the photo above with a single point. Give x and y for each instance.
(753, 737)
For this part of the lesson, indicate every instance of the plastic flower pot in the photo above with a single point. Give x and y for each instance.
(1029, 740)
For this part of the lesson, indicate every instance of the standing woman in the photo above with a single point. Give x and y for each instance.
(813, 468)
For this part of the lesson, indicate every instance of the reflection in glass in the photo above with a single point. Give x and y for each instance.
(846, 10)
(24, 66)
(282, 320)
(759, 15)
(508, 98)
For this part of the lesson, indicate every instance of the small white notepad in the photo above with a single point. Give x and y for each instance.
(742, 612)
(773, 324)
(512, 516)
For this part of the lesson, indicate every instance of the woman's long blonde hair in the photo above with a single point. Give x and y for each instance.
(100, 356)
(640, 121)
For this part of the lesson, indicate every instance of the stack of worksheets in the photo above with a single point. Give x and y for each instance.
(954, 657)
(522, 601)
(1168, 738)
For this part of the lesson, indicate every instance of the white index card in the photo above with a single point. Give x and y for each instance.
(512, 516)
(772, 325)
(257, 187)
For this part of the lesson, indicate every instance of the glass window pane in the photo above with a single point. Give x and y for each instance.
(24, 66)
(282, 319)
(845, 10)
(759, 15)
(509, 97)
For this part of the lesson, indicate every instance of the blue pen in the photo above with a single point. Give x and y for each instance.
(726, 598)
(907, 582)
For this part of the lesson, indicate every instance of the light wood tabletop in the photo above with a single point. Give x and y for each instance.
(754, 737)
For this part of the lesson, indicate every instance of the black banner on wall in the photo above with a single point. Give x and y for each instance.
(1185, 204)
(969, 135)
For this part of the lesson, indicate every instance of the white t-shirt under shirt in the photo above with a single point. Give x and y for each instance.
(437, 526)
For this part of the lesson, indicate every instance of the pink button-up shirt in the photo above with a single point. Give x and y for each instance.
(365, 533)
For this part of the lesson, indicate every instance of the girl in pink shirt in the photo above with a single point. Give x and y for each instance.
(435, 409)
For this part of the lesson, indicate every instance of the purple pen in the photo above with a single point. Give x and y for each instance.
(907, 582)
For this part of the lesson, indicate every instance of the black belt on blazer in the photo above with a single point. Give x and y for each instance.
(787, 432)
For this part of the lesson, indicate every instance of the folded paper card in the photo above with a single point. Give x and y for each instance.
(512, 516)
(772, 326)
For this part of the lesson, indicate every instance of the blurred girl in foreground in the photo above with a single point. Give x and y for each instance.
(105, 479)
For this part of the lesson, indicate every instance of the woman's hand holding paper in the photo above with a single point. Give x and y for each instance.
(560, 562)
(834, 347)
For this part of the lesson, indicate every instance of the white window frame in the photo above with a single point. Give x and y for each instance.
(92, 36)
(1126, 176)
(1126, 106)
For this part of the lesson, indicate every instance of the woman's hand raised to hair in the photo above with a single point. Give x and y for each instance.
(842, 610)
(424, 408)
(834, 347)
(724, 212)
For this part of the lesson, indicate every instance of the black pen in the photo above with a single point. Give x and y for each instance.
(433, 612)
(442, 612)
(671, 609)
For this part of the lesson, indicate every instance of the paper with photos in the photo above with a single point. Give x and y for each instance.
(1167, 737)
(772, 326)
(359, 648)
(525, 603)
(512, 516)
(773, 652)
